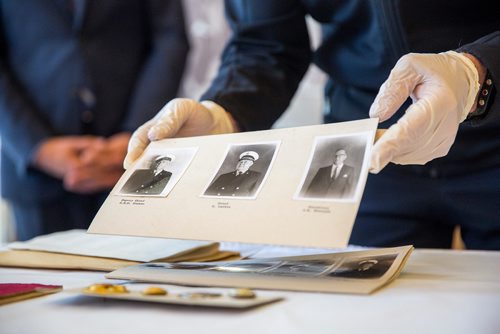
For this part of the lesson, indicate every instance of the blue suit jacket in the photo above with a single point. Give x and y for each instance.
(93, 67)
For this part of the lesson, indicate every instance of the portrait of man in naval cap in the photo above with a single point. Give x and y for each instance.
(243, 171)
(150, 181)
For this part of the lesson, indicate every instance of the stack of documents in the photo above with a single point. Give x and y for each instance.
(76, 249)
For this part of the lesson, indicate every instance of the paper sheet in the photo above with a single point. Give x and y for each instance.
(78, 242)
(280, 200)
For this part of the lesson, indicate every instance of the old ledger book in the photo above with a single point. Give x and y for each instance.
(297, 186)
(360, 272)
(77, 249)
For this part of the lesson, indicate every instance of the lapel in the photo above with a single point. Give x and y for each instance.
(73, 11)
(80, 9)
(336, 173)
(340, 172)
(157, 178)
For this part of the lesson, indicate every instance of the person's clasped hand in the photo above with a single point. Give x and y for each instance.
(443, 88)
(180, 118)
(100, 167)
(57, 155)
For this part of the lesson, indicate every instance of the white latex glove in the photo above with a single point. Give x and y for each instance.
(180, 118)
(443, 88)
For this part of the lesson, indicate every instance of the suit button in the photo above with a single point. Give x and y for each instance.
(434, 173)
(87, 116)
(87, 97)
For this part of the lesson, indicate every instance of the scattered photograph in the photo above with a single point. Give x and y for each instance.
(351, 267)
(301, 268)
(334, 168)
(157, 172)
(365, 267)
(248, 266)
(243, 171)
(271, 267)
(359, 272)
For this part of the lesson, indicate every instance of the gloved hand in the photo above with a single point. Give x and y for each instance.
(443, 88)
(180, 118)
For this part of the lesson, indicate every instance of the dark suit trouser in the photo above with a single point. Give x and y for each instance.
(394, 212)
(60, 214)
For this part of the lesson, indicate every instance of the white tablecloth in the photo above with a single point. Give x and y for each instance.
(438, 292)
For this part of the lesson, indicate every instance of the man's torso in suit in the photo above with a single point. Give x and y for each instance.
(230, 184)
(143, 181)
(323, 185)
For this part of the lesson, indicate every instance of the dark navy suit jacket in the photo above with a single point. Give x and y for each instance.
(324, 186)
(230, 184)
(144, 181)
(81, 67)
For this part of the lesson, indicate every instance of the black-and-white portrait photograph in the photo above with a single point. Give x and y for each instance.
(335, 267)
(243, 171)
(366, 267)
(334, 168)
(310, 268)
(157, 172)
(248, 266)
(271, 267)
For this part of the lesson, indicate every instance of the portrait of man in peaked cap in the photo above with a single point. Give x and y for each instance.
(242, 171)
(150, 181)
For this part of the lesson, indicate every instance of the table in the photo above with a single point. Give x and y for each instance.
(439, 291)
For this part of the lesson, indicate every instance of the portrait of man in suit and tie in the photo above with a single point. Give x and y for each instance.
(150, 181)
(365, 268)
(334, 168)
(336, 180)
(247, 173)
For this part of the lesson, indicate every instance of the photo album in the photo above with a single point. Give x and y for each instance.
(359, 272)
(298, 187)
(295, 186)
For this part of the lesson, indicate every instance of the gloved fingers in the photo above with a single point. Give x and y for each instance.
(137, 143)
(389, 148)
(225, 123)
(384, 149)
(189, 118)
(180, 118)
(421, 157)
(379, 134)
(424, 133)
(403, 138)
(171, 119)
(396, 89)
